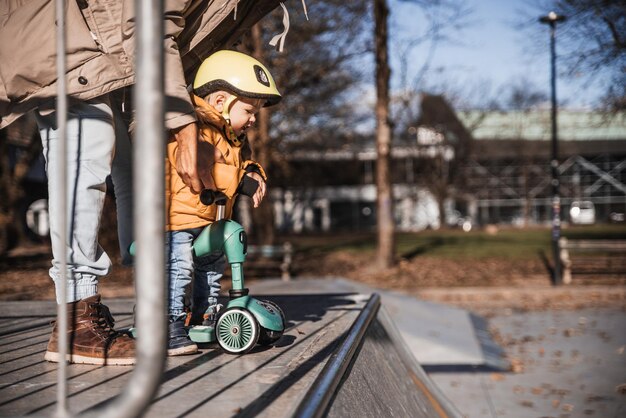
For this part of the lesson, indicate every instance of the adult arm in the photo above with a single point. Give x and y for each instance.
(180, 117)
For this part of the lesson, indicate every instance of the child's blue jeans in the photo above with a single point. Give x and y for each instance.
(183, 266)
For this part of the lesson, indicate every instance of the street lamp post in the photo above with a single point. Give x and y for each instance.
(552, 19)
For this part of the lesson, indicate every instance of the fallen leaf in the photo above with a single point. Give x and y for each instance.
(496, 377)
(536, 391)
(527, 404)
(517, 366)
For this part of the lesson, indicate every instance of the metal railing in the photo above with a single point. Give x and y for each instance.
(149, 173)
(61, 115)
(319, 396)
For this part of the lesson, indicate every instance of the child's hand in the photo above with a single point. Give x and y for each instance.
(260, 191)
(218, 156)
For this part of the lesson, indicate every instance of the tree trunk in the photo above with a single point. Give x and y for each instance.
(263, 216)
(384, 205)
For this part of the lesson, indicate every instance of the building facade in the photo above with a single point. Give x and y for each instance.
(456, 169)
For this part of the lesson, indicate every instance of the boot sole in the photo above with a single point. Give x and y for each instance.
(182, 351)
(78, 359)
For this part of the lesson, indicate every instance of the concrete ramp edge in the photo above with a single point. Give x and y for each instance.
(445, 406)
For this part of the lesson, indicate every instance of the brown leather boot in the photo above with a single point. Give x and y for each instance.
(92, 339)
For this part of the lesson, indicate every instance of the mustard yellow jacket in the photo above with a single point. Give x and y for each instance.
(184, 209)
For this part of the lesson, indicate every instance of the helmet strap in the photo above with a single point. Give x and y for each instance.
(230, 132)
(227, 104)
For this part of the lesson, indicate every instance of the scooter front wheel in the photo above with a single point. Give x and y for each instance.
(274, 306)
(268, 337)
(237, 330)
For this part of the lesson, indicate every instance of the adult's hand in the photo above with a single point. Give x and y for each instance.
(187, 157)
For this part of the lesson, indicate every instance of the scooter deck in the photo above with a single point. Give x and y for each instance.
(199, 334)
(202, 334)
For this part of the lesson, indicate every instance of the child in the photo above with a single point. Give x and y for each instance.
(229, 89)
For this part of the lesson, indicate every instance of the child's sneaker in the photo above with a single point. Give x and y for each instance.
(210, 316)
(179, 343)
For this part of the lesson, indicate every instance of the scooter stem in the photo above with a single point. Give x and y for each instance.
(237, 275)
(221, 209)
(227, 236)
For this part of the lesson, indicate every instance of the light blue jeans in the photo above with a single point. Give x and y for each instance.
(183, 266)
(98, 145)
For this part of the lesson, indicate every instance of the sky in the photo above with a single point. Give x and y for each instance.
(491, 51)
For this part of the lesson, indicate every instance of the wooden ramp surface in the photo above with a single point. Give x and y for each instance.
(268, 382)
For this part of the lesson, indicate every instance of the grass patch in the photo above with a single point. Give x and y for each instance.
(513, 244)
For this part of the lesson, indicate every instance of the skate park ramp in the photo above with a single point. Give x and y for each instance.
(441, 337)
(341, 356)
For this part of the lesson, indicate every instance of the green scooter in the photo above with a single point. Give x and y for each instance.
(245, 321)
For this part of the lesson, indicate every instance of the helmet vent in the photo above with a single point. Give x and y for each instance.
(261, 76)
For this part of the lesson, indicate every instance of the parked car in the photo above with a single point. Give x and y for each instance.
(582, 212)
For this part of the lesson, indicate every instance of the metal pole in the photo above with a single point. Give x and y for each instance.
(149, 176)
(551, 19)
(61, 173)
(554, 163)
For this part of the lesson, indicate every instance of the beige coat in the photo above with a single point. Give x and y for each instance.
(184, 209)
(101, 47)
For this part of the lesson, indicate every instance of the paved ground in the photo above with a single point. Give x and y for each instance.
(564, 364)
(565, 344)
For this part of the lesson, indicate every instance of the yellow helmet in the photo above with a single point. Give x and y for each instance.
(237, 73)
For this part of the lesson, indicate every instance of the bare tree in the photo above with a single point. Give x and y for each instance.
(521, 94)
(261, 143)
(524, 96)
(442, 22)
(384, 204)
(592, 44)
(446, 152)
(596, 33)
(316, 74)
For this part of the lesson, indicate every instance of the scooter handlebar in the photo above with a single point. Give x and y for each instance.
(208, 197)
